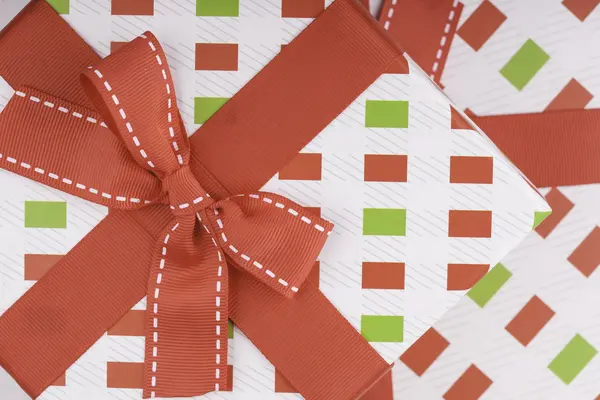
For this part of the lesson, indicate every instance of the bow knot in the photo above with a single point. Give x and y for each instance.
(185, 194)
(269, 236)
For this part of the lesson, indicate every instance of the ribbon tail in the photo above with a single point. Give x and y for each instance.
(336, 363)
(557, 148)
(72, 306)
(186, 330)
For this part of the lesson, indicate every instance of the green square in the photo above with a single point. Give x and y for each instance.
(382, 328)
(386, 114)
(384, 221)
(523, 66)
(205, 107)
(572, 359)
(217, 8)
(46, 214)
(230, 329)
(539, 217)
(61, 6)
(489, 285)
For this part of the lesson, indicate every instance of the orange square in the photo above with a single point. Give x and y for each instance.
(124, 375)
(581, 8)
(530, 320)
(470, 386)
(386, 168)
(302, 8)
(586, 257)
(560, 206)
(572, 97)
(470, 224)
(36, 265)
(481, 25)
(216, 57)
(383, 275)
(423, 353)
(457, 121)
(464, 276)
(132, 7)
(304, 167)
(471, 169)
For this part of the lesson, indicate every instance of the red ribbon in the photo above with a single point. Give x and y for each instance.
(178, 255)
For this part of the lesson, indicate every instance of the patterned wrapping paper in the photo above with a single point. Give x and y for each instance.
(422, 206)
(530, 329)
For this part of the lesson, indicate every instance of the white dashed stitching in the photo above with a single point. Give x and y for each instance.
(67, 181)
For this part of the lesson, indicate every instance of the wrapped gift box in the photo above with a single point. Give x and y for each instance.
(422, 201)
(530, 328)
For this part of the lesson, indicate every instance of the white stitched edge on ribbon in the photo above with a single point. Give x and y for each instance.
(60, 108)
(440, 52)
(159, 278)
(123, 115)
(218, 304)
(290, 210)
(169, 100)
(390, 13)
(197, 200)
(256, 263)
(69, 182)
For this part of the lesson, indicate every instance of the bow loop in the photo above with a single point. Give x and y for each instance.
(134, 91)
(271, 237)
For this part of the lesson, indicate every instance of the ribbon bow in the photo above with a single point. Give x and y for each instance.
(176, 223)
(266, 235)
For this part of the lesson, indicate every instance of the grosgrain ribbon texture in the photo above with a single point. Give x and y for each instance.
(165, 219)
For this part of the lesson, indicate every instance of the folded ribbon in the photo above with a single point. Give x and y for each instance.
(178, 255)
(268, 236)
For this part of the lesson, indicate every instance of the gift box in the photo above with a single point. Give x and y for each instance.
(422, 202)
(529, 328)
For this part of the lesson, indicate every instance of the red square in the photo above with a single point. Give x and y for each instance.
(471, 169)
(304, 167)
(481, 25)
(383, 275)
(302, 8)
(216, 57)
(572, 97)
(465, 276)
(586, 256)
(124, 375)
(470, 224)
(423, 353)
(132, 7)
(560, 206)
(36, 265)
(470, 386)
(581, 8)
(386, 168)
(530, 320)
